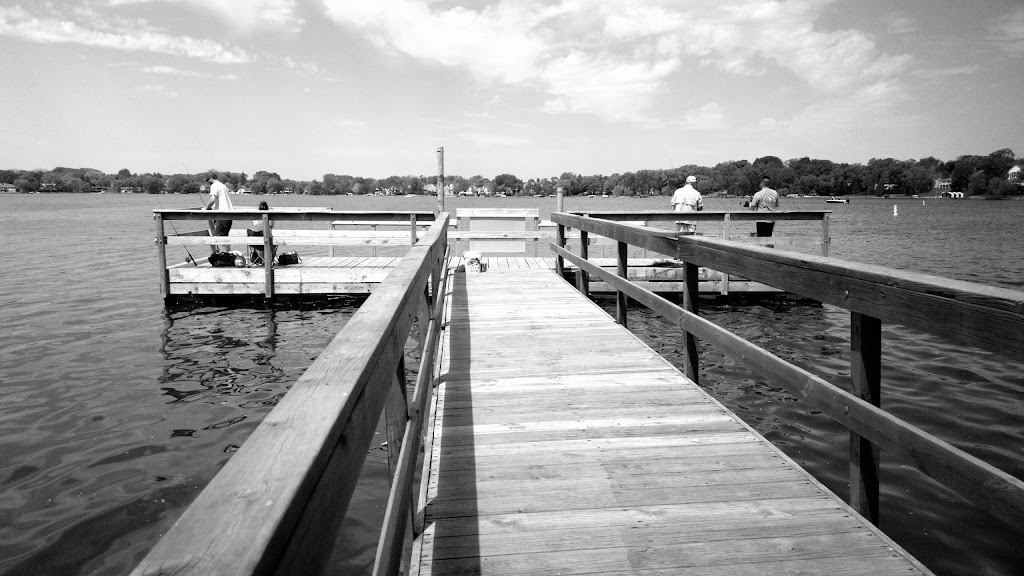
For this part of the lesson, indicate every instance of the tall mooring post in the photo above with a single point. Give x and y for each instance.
(440, 179)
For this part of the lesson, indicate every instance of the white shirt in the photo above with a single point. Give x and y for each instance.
(219, 196)
(687, 199)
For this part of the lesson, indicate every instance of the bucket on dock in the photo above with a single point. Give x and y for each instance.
(474, 262)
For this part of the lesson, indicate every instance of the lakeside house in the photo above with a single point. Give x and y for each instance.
(1013, 175)
(943, 183)
(6, 188)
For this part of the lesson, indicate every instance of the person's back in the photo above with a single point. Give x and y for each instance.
(687, 199)
(766, 200)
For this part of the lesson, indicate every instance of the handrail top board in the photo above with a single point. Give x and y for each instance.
(292, 214)
(497, 212)
(1003, 298)
(712, 215)
(968, 313)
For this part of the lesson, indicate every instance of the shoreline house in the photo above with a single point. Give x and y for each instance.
(1013, 175)
(6, 188)
(943, 183)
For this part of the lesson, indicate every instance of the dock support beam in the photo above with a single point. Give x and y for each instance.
(866, 373)
(161, 257)
(268, 257)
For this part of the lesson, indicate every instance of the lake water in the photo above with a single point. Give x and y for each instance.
(115, 410)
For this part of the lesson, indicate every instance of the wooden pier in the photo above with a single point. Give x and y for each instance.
(540, 437)
(348, 256)
(551, 456)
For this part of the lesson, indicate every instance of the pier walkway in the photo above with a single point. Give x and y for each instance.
(564, 445)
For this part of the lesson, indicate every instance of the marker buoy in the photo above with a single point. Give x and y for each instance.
(894, 213)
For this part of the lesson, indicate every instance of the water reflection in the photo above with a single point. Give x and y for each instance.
(114, 461)
(214, 355)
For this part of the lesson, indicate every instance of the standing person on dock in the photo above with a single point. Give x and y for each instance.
(219, 200)
(766, 200)
(687, 199)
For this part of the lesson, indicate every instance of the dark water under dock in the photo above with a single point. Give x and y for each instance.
(115, 412)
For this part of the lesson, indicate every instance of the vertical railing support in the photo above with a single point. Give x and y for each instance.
(440, 180)
(825, 238)
(161, 257)
(691, 362)
(560, 241)
(865, 371)
(621, 301)
(722, 275)
(396, 413)
(412, 229)
(268, 256)
(582, 278)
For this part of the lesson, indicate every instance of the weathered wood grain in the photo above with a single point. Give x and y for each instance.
(582, 451)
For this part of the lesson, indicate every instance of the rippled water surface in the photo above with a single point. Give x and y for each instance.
(115, 411)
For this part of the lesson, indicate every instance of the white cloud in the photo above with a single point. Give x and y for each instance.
(171, 71)
(19, 23)
(1009, 32)
(610, 58)
(244, 14)
(897, 23)
(158, 89)
(943, 73)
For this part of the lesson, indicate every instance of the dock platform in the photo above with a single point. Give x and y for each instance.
(562, 444)
(329, 275)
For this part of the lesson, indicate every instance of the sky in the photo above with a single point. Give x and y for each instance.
(373, 88)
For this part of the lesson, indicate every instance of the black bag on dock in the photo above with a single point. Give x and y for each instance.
(222, 259)
(286, 258)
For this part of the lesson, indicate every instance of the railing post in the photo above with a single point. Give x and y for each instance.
(268, 256)
(582, 278)
(560, 241)
(533, 225)
(722, 275)
(161, 257)
(396, 413)
(825, 238)
(691, 363)
(865, 371)
(621, 302)
(412, 229)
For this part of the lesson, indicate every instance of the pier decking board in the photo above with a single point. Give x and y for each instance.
(359, 274)
(564, 445)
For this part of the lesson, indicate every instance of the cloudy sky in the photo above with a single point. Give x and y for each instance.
(535, 88)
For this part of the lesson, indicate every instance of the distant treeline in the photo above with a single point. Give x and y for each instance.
(973, 175)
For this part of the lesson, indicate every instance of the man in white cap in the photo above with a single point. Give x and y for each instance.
(687, 199)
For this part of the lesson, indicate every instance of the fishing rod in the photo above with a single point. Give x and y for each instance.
(175, 230)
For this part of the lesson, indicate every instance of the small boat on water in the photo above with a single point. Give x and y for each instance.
(834, 200)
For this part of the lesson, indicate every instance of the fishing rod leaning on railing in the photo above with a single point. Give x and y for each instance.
(963, 312)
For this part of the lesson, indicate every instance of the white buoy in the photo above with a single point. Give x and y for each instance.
(894, 213)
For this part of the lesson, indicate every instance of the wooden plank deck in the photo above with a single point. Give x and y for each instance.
(359, 274)
(564, 445)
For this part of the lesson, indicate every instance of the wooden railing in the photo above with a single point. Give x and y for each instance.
(277, 505)
(962, 312)
(272, 238)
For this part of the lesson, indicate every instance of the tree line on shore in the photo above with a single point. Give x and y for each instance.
(972, 174)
